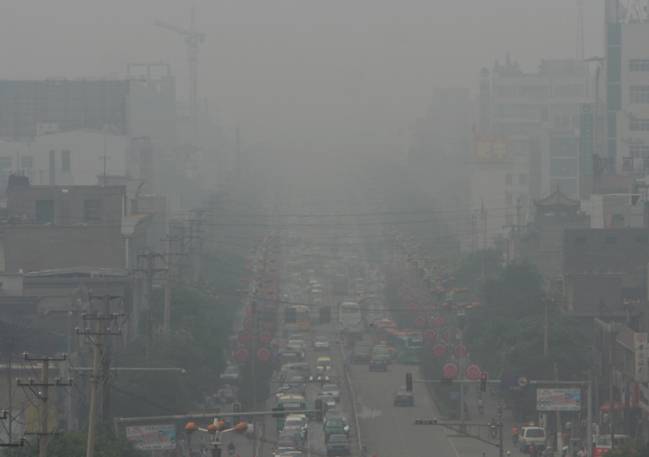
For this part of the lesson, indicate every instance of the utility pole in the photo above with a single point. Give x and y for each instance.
(253, 359)
(546, 325)
(40, 390)
(21, 443)
(150, 270)
(103, 327)
(483, 219)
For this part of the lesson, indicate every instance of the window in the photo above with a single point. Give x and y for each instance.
(508, 179)
(45, 211)
(639, 151)
(26, 162)
(639, 125)
(92, 210)
(639, 65)
(639, 94)
(65, 160)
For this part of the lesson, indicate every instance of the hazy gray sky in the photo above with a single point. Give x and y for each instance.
(322, 75)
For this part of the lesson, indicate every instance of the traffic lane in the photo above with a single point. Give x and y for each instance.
(390, 431)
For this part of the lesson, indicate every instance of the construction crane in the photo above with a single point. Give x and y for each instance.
(193, 39)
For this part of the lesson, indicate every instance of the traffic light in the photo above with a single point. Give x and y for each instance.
(483, 381)
(409, 382)
(236, 408)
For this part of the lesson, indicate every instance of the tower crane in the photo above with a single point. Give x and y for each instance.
(193, 39)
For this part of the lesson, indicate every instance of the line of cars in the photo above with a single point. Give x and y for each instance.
(293, 394)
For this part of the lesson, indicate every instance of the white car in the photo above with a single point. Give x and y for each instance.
(321, 343)
(331, 390)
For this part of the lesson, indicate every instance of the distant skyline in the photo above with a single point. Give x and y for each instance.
(306, 76)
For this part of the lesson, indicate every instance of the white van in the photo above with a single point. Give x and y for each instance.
(532, 435)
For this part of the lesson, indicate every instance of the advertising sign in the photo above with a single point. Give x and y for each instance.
(491, 148)
(558, 399)
(641, 354)
(152, 437)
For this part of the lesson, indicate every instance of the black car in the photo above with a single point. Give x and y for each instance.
(378, 364)
(338, 445)
(404, 398)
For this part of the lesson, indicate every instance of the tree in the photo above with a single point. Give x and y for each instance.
(73, 444)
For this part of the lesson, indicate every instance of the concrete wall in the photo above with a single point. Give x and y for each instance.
(86, 149)
(40, 247)
(608, 251)
(68, 203)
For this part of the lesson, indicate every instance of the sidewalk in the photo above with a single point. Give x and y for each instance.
(469, 447)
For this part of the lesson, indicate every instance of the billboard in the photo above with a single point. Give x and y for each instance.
(641, 355)
(152, 437)
(558, 399)
(491, 148)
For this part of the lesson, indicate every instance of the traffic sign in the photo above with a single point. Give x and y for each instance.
(263, 354)
(439, 350)
(241, 355)
(473, 372)
(450, 371)
(430, 336)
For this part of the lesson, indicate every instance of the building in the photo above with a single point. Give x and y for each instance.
(540, 242)
(627, 88)
(527, 144)
(53, 227)
(69, 132)
(605, 271)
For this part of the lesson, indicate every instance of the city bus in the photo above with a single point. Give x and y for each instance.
(408, 344)
(297, 319)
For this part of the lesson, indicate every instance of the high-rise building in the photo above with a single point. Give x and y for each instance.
(627, 88)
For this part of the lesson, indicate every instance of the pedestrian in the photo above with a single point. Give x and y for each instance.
(515, 432)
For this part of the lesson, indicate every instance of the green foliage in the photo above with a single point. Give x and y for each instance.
(507, 332)
(628, 451)
(73, 444)
(469, 272)
(201, 323)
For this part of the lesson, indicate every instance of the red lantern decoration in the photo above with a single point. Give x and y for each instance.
(460, 351)
(439, 350)
(263, 354)
(450, 371)
(439, 321)
(241, 355)
(420, 322)
(473, 372)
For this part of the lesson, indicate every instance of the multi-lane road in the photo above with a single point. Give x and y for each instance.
(379, 427)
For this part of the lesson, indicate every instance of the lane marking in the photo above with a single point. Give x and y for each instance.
(450, 441)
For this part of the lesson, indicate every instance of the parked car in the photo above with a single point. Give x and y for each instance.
(404, 397)
(338, 445)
